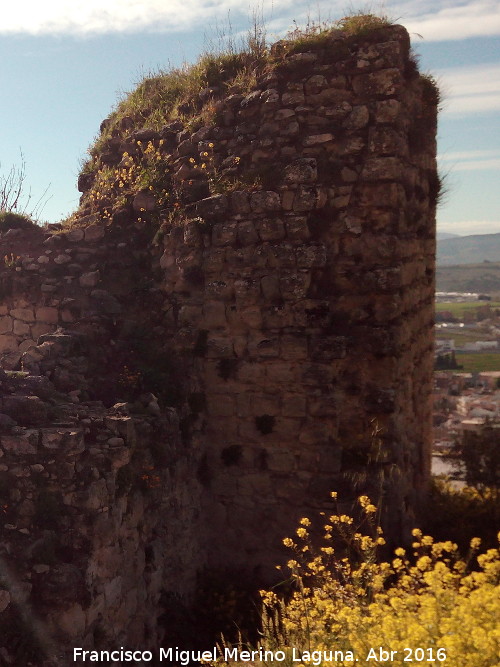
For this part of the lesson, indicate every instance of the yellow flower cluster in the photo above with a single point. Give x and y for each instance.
(11, 261)
(148, 171)
(426, 606)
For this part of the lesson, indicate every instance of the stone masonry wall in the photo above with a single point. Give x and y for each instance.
(285, 308)
(99, 505)
(309, 304)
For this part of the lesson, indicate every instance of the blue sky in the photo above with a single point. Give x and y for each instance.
(64, 64)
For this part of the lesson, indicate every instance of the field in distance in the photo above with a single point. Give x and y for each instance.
(459, 308)
(477, 362)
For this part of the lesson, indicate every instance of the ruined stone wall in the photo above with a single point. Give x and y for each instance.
(289, 303)
(310, 303)
(99, 506)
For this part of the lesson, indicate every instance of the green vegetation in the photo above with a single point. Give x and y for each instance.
(11, 220)
(224, 69)
(480, 454)
(460, 514)
(459, 308)
(123, 162)
(320, 35)
(478, 361)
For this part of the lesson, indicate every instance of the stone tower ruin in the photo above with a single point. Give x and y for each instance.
(285, 310)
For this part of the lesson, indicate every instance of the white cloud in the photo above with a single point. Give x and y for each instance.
(472, 160)
(472, 89)
(102, 16)
(466, 227)
(437, 20)
(445, 20)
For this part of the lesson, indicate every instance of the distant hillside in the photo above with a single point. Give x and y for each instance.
(468, 249)
(446, 235)
(483, 277)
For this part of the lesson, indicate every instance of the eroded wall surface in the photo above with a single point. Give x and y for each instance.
(310, 303)
(287, 318)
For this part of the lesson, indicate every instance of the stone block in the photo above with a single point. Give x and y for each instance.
(294, 347)
(265, 404)
(287, 197)
(317, 139)
(263, 346)
(219, 347)
(90, 279)
(295, 286)
(293, 98)
(143, 202)
(311, 256)
(251, 372)
(317, 374)
(302, 171)
(212, 206)
(220, 289)
(306, 199)
(72, 621)
(4, 600)
(329, 97)
(47, 314)
(224, 233)
(21, 328)
(317, 431)
(357, 118)
(256, 485)
(214, 315)
(387, 111)
(190, 315)
(239, 202)
(294, 405)
(6, 324)
(280, 460)
(213, 259)
(41, 328)
(62, 259)
(8, 343)
(327, 348)
(247, 289)
(252, 316)
(315, 84)
(265, 200)
(271, 229)
(18, 444)
(75, 235)
(386, 82)
(24, 314)
(380, 194)
(220, 405)
(387, 141)
(270, 286)
(246, 233)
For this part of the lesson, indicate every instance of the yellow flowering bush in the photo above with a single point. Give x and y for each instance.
(425, 605)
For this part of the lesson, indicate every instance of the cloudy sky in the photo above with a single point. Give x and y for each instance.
(65, 63)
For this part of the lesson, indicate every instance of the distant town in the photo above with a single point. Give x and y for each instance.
(467, 362)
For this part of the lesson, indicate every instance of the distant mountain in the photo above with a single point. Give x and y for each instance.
(483, 278)
(468, 249)
(446, 235)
